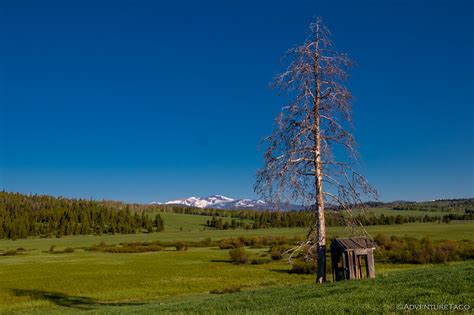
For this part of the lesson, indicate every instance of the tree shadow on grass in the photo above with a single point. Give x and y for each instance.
(222, 261)
(61, 299)
(288, 271)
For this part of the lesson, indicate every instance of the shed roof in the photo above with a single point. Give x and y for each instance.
(359, 242)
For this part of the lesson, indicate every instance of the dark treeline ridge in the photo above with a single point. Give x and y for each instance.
(22, 216)
(258, 219)
(262, 220)
(465, 205)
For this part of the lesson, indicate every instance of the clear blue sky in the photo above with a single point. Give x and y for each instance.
(154, 100)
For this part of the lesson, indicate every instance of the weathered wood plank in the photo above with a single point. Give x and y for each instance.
(370, 265)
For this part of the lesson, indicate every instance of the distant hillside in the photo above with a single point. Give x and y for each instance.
(227, 203)
(441, 205)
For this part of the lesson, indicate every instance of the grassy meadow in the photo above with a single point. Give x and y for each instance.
(447, 284)
(171, 281)
(184, 227)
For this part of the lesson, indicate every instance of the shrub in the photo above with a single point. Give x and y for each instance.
(133, 249)
(225, 244)
(69, 250)
(230, 243)
(276, 255)
(415, 251)
(204, 243)
(276, 252)
(136, 247)
(303, 266)
(256, 242)
(181, 246)
(238, 255)
(65, 251)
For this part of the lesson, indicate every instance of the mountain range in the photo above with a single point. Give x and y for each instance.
(227, 203)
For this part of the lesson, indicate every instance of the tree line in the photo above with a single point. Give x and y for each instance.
(269, 219)
(443, 205)
(258, 219)
(23, 216)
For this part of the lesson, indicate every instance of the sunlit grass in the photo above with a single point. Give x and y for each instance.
(38, 281)
(156, 276)
(444, 284)
(180, 282)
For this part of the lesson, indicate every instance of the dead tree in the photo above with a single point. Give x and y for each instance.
(311, 154)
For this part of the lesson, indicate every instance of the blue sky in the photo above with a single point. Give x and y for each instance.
(153, 100)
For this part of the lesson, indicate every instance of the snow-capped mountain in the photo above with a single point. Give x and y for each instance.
(214, 201)
(223, 202)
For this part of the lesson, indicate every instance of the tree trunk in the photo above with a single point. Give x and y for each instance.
(320, 223)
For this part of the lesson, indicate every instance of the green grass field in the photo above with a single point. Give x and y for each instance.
(447, 284)
(146, 288)
(193, 229)
(176, 222)
(170, 281)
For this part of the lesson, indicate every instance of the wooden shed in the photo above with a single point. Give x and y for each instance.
(352, 258)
